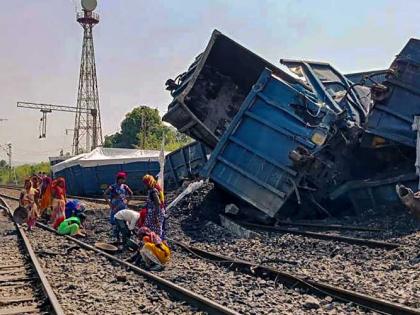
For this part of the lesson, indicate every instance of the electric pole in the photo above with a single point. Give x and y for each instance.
(143, 131)
(9, 154)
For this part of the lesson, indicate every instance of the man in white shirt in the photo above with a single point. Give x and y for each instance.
(125, 221)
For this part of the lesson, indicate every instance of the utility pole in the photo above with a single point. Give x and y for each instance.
(9, 154)
(8, 151)
(142, 132)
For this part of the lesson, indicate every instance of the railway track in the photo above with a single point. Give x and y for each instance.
(97, 199)
(206, 279)
(24, 288)
(59, 255)
(307, 230)
(323, 236)
(306, 285)
(388, 274)
(218, 282)
(316, 287)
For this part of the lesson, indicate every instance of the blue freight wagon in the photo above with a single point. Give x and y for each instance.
(396, 105)
(368, 78)
(57, 159)
(90, 174)
(184, 163)
(375, 193)
(260, 155)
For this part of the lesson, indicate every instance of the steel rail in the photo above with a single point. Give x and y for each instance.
(175, 290)
(90, 199)
(46, 287)
(13, 187)
(97, 199)
(331, 226)
(323, 236)
(102, 200)
(290, 280)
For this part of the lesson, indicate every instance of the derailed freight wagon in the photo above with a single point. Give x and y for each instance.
(208, 95)
(311, 143)
(184, 163)
(398, 99)
(367, 78)
(89, 174)
(279, 146)
(270, 145)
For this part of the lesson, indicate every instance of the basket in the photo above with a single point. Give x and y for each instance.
(109, 248)
(20, 215)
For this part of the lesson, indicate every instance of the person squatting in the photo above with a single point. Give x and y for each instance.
(148, 224)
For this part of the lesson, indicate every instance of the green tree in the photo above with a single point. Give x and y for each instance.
(143, 128)
(3, 164)
(23, 171)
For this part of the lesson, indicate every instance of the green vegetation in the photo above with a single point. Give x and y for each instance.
(142, 128)
(21, 172)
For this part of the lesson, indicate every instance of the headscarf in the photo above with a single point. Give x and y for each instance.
(149, 236)
(142, 219)
(57, 189)
(46, 182)
(151, 182)
(27, 180)
(121, 175)
(74, 207)
(35, 180)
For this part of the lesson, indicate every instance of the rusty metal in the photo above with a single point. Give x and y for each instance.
(330, 226)
(323, 236)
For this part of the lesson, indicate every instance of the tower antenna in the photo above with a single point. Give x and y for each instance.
(87, 125)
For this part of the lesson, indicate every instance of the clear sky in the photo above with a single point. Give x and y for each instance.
(139, 44)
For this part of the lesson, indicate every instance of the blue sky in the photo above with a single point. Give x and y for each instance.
(139, 44)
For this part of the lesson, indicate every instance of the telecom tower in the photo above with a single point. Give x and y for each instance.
(87, 122)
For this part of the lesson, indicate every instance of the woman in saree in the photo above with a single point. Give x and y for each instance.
(46, 195)
(117, 196)
(154, 252)
(58, 191)
(155, 206)
(28, 199)
(72, 225)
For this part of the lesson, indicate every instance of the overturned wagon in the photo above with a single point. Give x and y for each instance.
(270, 147)
(284, 144)
(184, 163)
(208, 95)
(89, 174)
